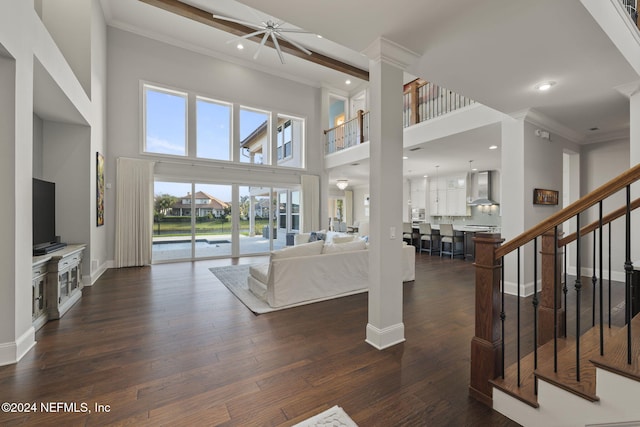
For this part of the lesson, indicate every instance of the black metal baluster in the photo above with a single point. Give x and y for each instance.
(555, 299)
(628, 268)
(535, 311)
(578, 286)
(594, 282)
(601, 301)
(502, 314)
(518, 314)
(609, 275)
(565, 290)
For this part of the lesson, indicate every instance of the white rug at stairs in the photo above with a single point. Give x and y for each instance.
(329, 418)
(234, 277)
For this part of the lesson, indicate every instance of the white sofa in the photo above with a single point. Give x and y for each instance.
(315, 271)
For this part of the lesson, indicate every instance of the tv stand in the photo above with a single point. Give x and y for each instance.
(57, 283)
(48, 249)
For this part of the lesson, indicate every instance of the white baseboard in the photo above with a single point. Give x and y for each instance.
(385, 338)
(617, 276)
(90, 279)
(11, 352)
(526, 289)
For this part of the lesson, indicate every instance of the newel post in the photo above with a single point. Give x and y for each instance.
(551, 268)
(486, 345)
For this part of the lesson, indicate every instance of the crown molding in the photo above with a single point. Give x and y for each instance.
(629, 89)
(384, 50)
(535, 117)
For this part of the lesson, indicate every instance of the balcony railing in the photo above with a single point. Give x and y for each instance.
(348, 134)
(422, 101)
(425, 100)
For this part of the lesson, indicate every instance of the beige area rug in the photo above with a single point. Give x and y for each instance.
(331, 417)
(234, 277)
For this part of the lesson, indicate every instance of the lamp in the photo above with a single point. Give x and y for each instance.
(342, 184)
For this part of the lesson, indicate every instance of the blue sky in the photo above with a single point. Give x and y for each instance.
(166, 133)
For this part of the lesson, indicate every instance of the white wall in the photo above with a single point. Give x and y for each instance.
(599, 164)
(132, 59)
(23, 37)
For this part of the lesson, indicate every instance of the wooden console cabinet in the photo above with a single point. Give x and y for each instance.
(57, 283)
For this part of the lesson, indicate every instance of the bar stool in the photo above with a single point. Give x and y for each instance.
(449, 236)
(427, 234)
(407, 232)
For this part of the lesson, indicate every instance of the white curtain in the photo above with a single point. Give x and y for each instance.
(310, 203)
(134, 212)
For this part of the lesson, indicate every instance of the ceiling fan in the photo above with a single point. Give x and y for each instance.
(268, 29)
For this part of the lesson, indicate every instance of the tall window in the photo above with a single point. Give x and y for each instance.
(254, 136)
(213, 129)
(168, 130)
(290, 142)
(165, 121)
(284, 140)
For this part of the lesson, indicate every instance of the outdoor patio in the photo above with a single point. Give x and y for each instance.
(208, 246)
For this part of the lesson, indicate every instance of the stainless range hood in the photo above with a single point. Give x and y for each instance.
(483, 186)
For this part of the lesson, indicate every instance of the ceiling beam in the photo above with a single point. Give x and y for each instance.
(206, 17)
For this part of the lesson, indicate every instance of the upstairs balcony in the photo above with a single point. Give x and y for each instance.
(422, 101)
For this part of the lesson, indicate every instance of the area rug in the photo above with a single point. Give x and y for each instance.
(234, 277)
(331, 417)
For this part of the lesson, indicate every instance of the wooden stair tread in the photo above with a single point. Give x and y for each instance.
(615, 357)
(565, 378)
(526, 391)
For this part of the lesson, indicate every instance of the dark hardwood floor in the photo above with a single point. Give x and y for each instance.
(168, 345)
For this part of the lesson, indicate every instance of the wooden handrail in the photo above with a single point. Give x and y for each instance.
(600, 193)
(596, 224)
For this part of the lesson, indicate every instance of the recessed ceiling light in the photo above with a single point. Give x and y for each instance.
(425, 176)
(543, 86)
(493, 147)
(348, 82)
(474, 169)
(404, 157)
(240, 46)
(319, 36)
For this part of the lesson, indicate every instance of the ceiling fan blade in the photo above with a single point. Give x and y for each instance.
(299, 46)
(246, 36)
(238, 21)
(264, 39)
(275, 42)
(293, 30)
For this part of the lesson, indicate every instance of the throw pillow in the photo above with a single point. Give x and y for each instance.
(301, 238)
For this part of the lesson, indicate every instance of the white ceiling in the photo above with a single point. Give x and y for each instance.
(493, 51)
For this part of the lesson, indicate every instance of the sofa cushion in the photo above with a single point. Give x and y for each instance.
(260, 272)
(356, 245)
(305, 249)
(343, 239)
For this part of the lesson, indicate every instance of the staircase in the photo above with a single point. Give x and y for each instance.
(574, 343)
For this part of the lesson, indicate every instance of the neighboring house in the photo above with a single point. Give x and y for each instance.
(205, 204)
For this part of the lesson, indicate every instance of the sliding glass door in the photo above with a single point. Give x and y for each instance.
(197, 220)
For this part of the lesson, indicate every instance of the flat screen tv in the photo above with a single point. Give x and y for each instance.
(44, 214)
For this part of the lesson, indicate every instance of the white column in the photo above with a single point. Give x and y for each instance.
(17, 334)
(634, 126)
(385, 327)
